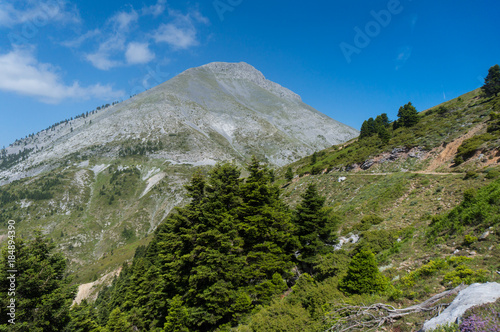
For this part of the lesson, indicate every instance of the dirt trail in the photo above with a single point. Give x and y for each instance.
(444, 157)
(411, 172)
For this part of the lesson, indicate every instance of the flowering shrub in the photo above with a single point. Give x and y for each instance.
(485, 318)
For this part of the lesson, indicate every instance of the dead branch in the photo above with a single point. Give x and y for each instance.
(350, 317)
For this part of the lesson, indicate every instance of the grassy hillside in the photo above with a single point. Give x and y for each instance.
(416, 147)
(96, 213)
(425, 202)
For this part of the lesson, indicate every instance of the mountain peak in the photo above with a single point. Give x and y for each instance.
(244, 71)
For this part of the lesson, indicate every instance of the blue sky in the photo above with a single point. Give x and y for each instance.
(348, 59)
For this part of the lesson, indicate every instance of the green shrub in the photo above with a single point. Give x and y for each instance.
(371, 219)
(464, 274)
(470, 175)
(363, 276)
(376, 241)
(469, 239)
(471, 145)
(450, 327)
(492, 174)
(426, 270)
(331, 265)
(281, 316)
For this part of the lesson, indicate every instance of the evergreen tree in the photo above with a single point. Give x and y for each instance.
(365, 130)
(211, 261)
(314, 158)
(492, 81)
(314, 229)
(82, 319)
(408, 116)
(177, 317)
(289, 174)
(117, 322)
(363, 276)
(43, 293)
(384, 135)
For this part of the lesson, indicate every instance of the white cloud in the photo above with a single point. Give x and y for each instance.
(39, 13)
(23, 74)
(176, 36)
(77, 42)
(123, 20)
(112, 41)
(155, 10)
(181, 32)
(138, 53)
(102, 58)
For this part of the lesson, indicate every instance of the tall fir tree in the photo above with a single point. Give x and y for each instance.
(314, 229)
(408, 115)
(363, 276)
(492, 81)
(43, 293)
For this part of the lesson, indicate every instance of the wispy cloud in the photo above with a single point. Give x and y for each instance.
(155, 10)
(181, 33)
(38, 12)
(404, 54)
(123, 20)
(114, 43)
(138, 53)
(23, 74)
(77, 42)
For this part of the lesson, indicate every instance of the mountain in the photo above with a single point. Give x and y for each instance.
(99, 184)
(219, 111)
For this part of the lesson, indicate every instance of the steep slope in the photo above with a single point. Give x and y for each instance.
(220, 111)
(425, 202)
(100, 184)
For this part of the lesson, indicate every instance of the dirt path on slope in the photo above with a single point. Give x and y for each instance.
(411, 172)
(450, 150)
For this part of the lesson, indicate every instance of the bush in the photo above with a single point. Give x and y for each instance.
(281, 316)
(376, 241)
(485, 317)
(450, 327)
(492, 174)
(363, 276)
(371, 219)
(464, 274)
(469, 239)
(424, 271)
(470, 175)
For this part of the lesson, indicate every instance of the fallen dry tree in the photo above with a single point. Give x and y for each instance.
(360, 317)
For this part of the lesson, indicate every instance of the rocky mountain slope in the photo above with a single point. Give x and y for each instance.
(99, 184)
(219, 111)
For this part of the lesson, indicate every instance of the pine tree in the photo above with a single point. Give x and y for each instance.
(363, 276)
(384, 135)
(365, 130)
(43, 292)
(314, 158)
(289, 174)
(82, 319)
(314, 229)
(117, 322)
(408, 115)
(492, 81)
